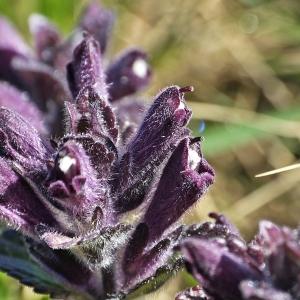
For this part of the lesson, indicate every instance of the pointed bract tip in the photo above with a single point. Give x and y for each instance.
(186, 89)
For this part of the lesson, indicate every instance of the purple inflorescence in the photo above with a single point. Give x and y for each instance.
(227, 267)
(97, 206)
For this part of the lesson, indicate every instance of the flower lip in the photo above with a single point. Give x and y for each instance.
(182, 91)
(207, 252)
(195, 163)
(176, 96)
(66, 162)
(128, 74)
(186, 89)
(65, 168)
(37, 20)
(194, 159)
(175, 101)
(140, 67)
(206, 168)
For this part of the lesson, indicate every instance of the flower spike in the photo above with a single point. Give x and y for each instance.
(68, 185)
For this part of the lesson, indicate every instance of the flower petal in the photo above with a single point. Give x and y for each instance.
(86, 68)
(159, 134)
(92, 114)
(47, 88)
(19, 102)
(130, 114)
(223, 221)
(282, 254)
(21, 142)
(45, 35)
(42, 82)
(11, 45)
(193, 293)
(20, 207)
(11, 39)
(185, 178)
(129, 73)
(98, 22)
(140, 263)
(219, 271)
(73, 182)
(262, 291)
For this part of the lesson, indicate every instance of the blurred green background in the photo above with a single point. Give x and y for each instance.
(243, 58)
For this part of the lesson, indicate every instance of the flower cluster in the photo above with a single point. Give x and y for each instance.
(42, 72)
(99, 205)
(267, 268)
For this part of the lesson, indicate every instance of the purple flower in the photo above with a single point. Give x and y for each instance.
(41, 71)
(229, 268)
(87, 203)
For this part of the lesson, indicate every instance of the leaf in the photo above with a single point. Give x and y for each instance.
(15, 261)
(161, 276)
(224, 137)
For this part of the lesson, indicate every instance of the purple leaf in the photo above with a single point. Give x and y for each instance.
(128, 74)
